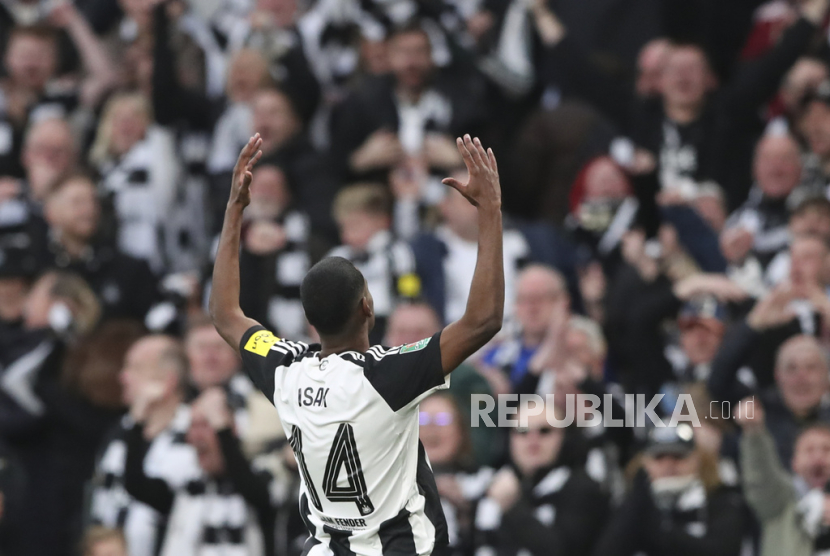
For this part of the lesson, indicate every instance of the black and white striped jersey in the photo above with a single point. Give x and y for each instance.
(352, 420)
(170, 458)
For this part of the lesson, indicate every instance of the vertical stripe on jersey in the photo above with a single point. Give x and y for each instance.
(339, 542)
(396, 537)
(432, 501)
(310, 543)
(305, 514)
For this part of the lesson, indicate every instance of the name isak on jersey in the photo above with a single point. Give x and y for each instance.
(306, 397)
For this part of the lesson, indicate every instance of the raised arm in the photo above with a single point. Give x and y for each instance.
(225, 312)
(485, 306)
(101, 75)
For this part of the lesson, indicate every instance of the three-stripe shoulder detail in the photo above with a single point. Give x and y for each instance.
(287, 347)
(379, 352)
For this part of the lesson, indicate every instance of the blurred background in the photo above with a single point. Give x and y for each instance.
(665, 168)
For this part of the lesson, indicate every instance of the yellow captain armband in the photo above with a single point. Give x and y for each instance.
(260, 342)
(409, 285)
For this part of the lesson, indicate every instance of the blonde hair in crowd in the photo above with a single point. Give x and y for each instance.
(370, 198)
(101, 147)
(98, 534)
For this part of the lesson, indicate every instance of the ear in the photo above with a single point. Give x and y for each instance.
(365, 307)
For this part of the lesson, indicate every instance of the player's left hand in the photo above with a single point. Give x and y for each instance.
(505, 489)
(243, 172)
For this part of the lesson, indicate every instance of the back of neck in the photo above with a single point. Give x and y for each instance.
(347, 342)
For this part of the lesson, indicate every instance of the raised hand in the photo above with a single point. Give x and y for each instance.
(482, 187)
(63, 14)
(243, 172)
(213, 404)
(772, 310)
(149, 395)
(714, 284)
(750, 414)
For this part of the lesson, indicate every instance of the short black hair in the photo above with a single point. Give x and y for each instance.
(412, 25)
(330, 293)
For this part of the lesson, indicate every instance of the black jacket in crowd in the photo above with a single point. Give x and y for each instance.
(724, 134)
(714, 527)
(561, 511)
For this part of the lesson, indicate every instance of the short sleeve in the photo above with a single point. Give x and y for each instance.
(405, 375)
(262, 352)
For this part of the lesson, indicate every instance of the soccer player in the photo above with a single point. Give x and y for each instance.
(351, 409)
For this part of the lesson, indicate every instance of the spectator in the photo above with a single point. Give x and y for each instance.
(569, 361)
(52, 429)
(710, 204)
(803, 78)
(275, 255)
(31, 61)
(211, 361)
(285, 143)
(701, 120)
(139, 172)
(159, 362)
(797, 398)
(601, 197)
(126, 285)
(16, 274)
(697, 305)
(446, 258)
(686, 113)
(50, 155)
(810, 218)
(651, 61)
(270, 29)
(103, 541)
(813, 123)
(363, 214)
(227, 507)
(413, 321)
(214, 364)
(540, 293)
(413, 112)
(247, 74)
(790, 509)
(759, 226)
(676, 504)
(446, 440)
(540, 504)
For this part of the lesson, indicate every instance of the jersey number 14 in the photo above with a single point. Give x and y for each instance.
(343, 453)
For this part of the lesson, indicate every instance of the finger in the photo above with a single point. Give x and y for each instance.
(454, 183)
(482, 153)
(254, 160)
(492, 157)
(465, 154)
(246, 179)
(245, 154)
(468, 142)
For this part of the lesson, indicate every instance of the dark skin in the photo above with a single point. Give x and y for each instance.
(459, 340)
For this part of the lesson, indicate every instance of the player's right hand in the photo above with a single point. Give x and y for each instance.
(483, 188)
(243, 172)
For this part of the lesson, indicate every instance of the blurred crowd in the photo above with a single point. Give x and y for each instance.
(665, 169)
